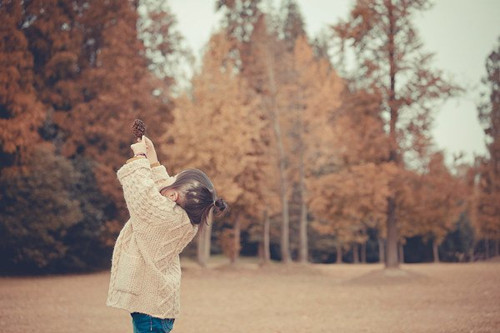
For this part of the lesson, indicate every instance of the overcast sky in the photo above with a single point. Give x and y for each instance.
(461, 33)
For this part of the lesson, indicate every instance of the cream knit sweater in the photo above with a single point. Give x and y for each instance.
(145, 271)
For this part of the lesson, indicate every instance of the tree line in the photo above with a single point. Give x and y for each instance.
(318, 159)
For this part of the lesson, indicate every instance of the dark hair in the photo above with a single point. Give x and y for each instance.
(197, 196)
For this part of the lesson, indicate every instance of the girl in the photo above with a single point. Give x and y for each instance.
(165, 214)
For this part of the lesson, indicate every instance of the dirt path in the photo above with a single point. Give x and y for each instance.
(313, 298)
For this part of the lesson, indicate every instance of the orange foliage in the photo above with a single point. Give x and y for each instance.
(223, 127)
(348, 201)
(21, 113)
(437, 200)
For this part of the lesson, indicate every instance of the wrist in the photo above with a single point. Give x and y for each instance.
(140, 154)
(140, 157)
(154, 164)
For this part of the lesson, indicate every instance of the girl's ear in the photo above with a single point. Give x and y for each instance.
(174, 195)
(171, 194)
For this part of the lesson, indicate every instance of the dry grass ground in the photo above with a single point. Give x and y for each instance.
(313, 298)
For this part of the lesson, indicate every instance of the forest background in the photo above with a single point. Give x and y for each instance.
(319, 161)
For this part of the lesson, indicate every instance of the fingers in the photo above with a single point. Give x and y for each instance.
(139, 146)
(149, 143)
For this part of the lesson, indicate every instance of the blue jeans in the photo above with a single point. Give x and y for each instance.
(145, 323)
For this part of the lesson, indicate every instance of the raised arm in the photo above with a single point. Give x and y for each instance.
(161, 177)
(160, 174)
(145, 204)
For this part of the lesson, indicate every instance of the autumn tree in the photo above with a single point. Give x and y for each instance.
(311, 95)
(407, 184)
(391, 61)
(86, 58)
(488, 193)
(46, 33)
(349, 181)
(77, 76)
(260, 54)
(239, 20)
(21, 112)
(222, 125)
(295, 90)
(164, 48)
(55, 42)
(353, 200)
(439, 202)
(292, 23)
(111, 87)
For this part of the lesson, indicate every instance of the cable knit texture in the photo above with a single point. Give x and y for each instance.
(145, 270)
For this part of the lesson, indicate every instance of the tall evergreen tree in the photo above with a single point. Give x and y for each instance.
(391, 61)
(488, 196)
(232, 150)
(292, 26)
(260, 56)
(295, 93)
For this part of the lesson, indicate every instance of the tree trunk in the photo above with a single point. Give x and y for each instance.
(435, 250)
(275, 119)
(285, 223)
(260, 253)
(285, 230)
(472, 250)
(355, 253)
(363, 252)
(401, 253)
(236, 244)
(207, 242)
(266, 247)
(487, 248)
(303, 243)
(392, 235)
(381, 250)
(471, 255)
(200, 248)
(392, 232)
(339, 252)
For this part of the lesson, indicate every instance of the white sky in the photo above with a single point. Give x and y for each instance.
(461, 33)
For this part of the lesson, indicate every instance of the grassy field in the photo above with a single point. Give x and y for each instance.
(275, 298)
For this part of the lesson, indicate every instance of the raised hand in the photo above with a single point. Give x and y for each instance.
(150, 150)
(139, 147)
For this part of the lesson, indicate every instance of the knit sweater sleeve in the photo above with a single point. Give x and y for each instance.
(144, 201)
(161, 177)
